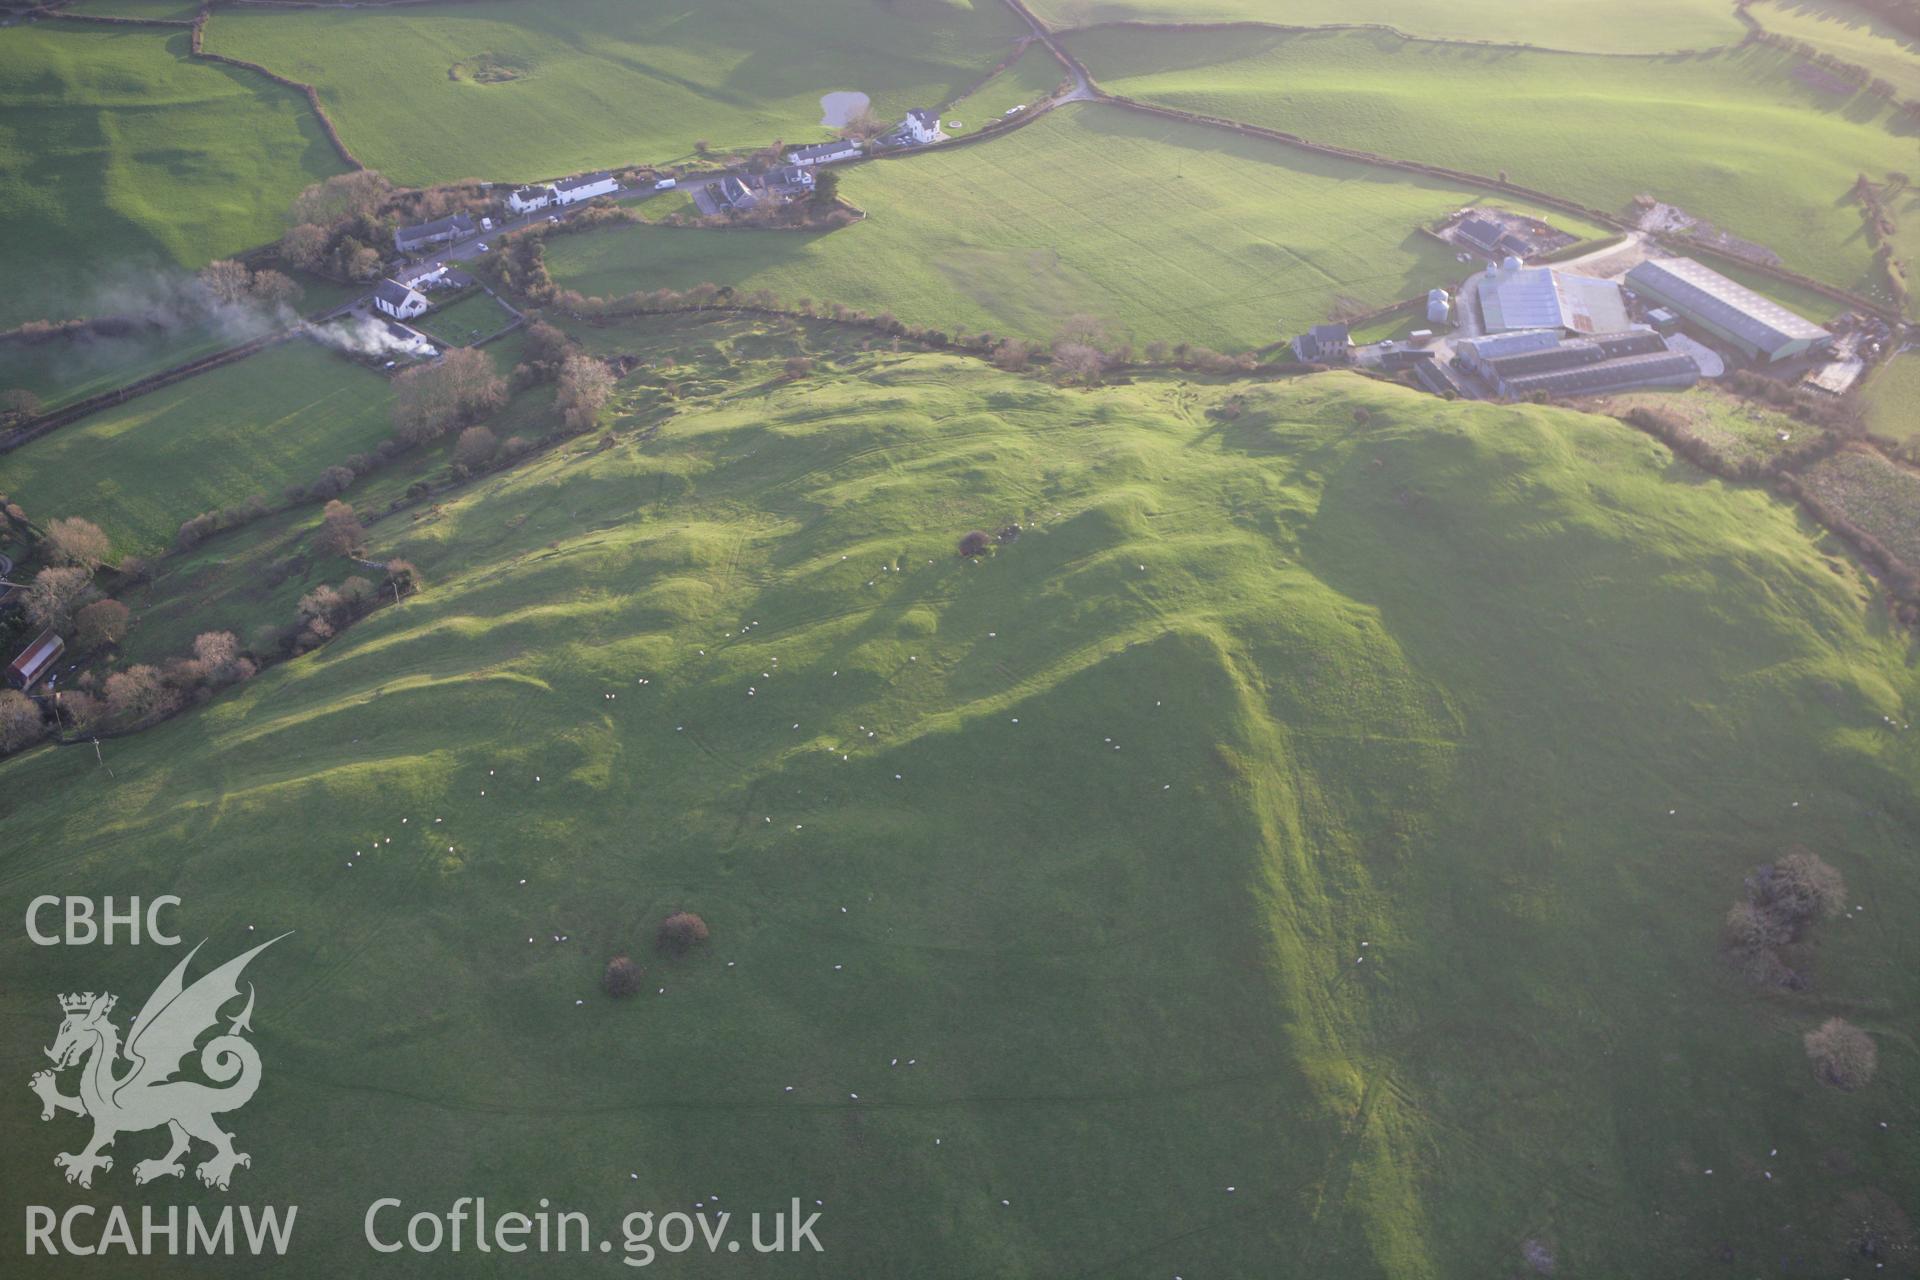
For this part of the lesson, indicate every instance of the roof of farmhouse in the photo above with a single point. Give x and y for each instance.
(439, 226)
(584, 180)
(1711, 296)
(392, 292)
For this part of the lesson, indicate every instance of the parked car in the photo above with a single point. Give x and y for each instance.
(483, 246)
(666, 184)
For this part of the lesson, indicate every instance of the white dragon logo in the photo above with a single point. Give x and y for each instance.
(146, 1096)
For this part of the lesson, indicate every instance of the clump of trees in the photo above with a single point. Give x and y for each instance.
(1843, 1056)
(143, 693)
(430, 400)
(679, 933)
(586, 384)
(1781, 900)
(975, 543)
(337, 223)
(340, 531)
(226, 282)
(622, 977)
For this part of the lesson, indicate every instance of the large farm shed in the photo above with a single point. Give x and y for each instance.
(1520, 365)
(1761, 328)
(1517, 297)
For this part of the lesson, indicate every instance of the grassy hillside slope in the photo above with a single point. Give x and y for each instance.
(1853, 34)
(1736, 137)
(512, 91)
(1088, 837)
(1161, 229)
(119, 158)
(141, 468)
(1605, 26)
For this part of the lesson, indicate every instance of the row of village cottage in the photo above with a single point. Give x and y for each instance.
(404, 296)
(1519, 332)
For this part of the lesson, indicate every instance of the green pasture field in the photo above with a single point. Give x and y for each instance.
(462, 323)
(1881, 497)
(1609, 26)
(141, 468)
(1737, 138)
(1850, 33)
(61, 372)
(1892, 397)
(1308, 840)
(510, 91)
(165, 10)
(1033, 76)
(1736, 430)
(121, 159)
(1160, 229)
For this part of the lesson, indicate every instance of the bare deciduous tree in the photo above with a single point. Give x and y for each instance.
(622, 977)
(226, 281)
(1842, 1054)
(77, 541)
(340, 532)
(679, 932)
(56, 594)
(475, 447)
(585, 387)
(101, 623)
(305, 245)
(20, 722)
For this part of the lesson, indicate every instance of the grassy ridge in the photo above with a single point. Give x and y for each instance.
(1161, 229)
(1735, 137)
(512, 91)
(1605, 26)
(139, 469)
(1495, 691)
(119, 158)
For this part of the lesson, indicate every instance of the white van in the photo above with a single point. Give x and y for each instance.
(666, 184)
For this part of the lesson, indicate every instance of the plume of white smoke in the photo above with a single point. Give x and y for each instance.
(360, 335)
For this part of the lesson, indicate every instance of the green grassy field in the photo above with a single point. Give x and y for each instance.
(512, 91)
(1735, 138)
(1162, 230)
(1849, 33)
(141, 468)
(1892, 398)
(466, 321)
(1613, 26)
(1501, 700)
(1035, 75)
(120, 158)
(62, 372)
